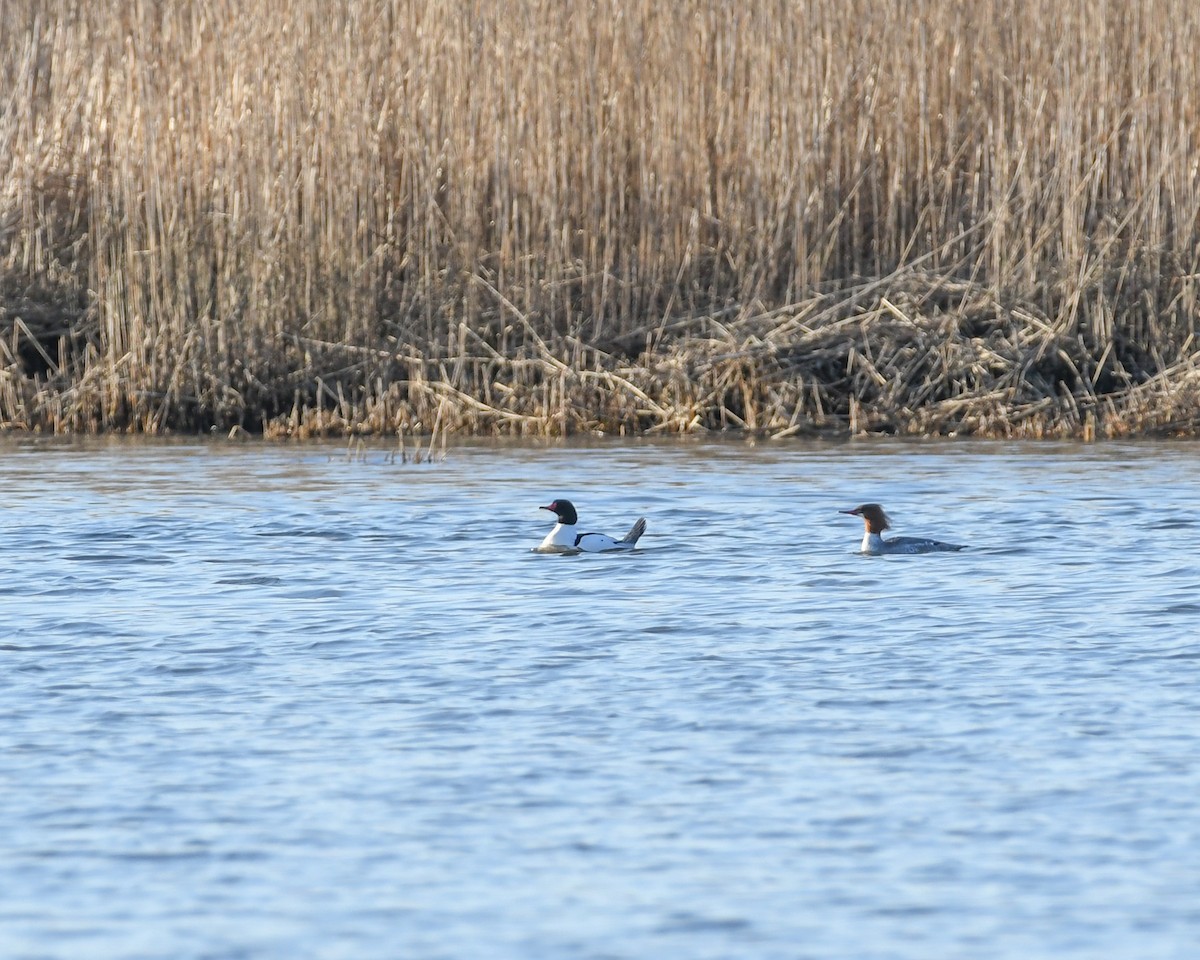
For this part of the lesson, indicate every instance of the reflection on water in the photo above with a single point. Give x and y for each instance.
(270, 701)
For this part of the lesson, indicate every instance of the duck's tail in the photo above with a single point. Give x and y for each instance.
(635, 532)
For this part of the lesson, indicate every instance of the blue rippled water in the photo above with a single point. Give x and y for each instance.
(264, 701)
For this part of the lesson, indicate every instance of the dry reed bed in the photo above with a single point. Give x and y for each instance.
(535, 217)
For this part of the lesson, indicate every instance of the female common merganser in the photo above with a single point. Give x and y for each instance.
(876, 521)
(564, 539)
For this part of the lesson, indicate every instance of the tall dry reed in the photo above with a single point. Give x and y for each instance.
(538, 217)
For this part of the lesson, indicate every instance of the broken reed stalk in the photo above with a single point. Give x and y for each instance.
(651, 217)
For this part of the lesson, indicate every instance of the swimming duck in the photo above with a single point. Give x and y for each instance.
(876, 521)
(564, 539)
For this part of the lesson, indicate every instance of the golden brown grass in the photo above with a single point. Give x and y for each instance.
(538, 217)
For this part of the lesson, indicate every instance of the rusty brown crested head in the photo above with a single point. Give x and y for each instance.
(873, 517)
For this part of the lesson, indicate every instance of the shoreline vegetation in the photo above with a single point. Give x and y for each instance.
(535, 218)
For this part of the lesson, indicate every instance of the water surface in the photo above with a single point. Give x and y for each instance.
(278, 701)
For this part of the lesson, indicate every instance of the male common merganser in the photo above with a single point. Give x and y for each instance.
(876, 521)
(564, 539)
